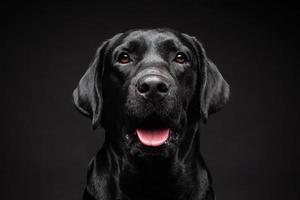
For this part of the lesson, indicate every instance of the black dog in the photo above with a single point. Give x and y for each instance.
(150, 89)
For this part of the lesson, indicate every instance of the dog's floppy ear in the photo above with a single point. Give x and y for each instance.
(215, 90)
(87, 96)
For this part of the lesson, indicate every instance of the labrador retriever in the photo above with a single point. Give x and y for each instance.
(150, 89)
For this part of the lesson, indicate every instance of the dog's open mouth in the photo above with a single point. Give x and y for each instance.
(153, 137)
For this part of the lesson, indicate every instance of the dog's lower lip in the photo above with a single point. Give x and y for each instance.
(153, 137)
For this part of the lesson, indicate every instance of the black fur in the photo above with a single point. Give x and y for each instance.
(124, 168)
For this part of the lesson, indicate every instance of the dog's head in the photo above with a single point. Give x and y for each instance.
(147, 88)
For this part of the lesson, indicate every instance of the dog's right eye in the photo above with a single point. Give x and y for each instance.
(180, 58)
(124, 58)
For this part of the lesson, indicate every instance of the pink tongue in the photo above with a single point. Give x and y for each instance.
(153, 137)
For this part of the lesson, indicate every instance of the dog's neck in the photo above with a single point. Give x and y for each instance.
(153, 177)
(157, 178)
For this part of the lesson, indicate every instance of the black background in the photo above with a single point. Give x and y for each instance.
(251, 146)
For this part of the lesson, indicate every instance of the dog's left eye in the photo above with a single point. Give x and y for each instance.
(124, 58)
(181, 58)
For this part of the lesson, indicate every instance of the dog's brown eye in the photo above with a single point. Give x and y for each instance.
(180, 58)
(124, 58)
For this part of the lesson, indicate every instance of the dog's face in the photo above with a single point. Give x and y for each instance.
(147, 88)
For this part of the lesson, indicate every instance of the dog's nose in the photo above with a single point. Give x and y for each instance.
(152, 85)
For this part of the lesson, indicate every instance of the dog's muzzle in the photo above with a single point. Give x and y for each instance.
(152, 108)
